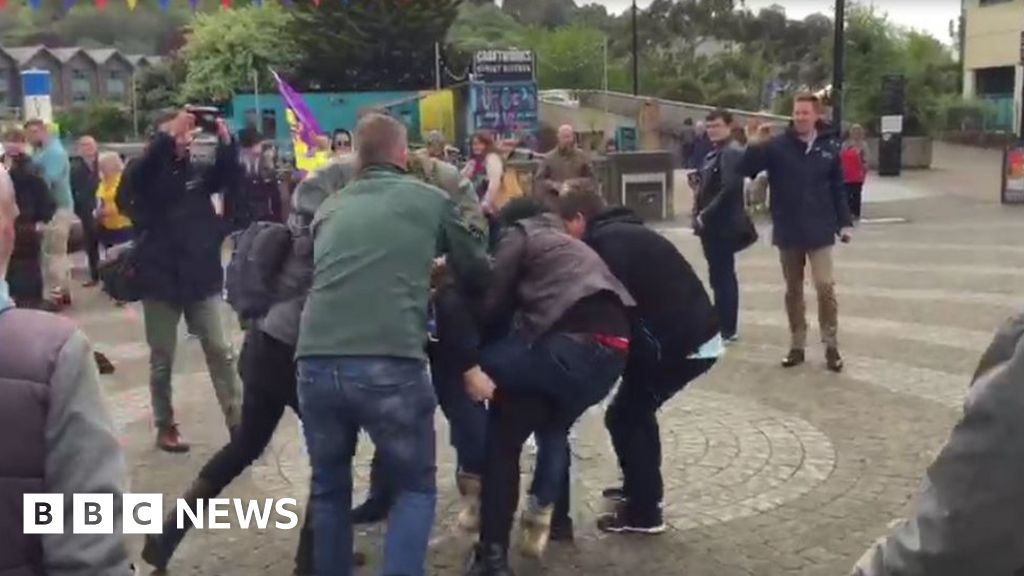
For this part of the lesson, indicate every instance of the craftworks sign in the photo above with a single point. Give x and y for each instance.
(503, 66)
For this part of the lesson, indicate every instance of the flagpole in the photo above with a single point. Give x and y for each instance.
(256, 97)
(437, 64)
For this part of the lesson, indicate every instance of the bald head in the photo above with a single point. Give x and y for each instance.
(381, 139)
(8, 213)
(566, 137)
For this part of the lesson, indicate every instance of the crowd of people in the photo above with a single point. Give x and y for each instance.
(391, 283)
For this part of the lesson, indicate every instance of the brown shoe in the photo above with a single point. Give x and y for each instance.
(795, 358)
(833, 360)
(169, 439)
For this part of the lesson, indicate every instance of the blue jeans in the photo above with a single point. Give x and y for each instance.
(543, 388)
(393, 400)
(721, 257)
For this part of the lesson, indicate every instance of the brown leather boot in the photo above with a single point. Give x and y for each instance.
(169, 439)
(159, 548)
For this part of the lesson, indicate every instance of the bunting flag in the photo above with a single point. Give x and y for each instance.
(225, 3)
(100, 4)
(68, 5)
(165, 4)
(34, 4)
(132, 4)
(194, 4)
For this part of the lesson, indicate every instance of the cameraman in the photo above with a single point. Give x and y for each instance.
(178, 260)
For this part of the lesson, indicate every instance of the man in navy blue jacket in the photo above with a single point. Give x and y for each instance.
(809, 211)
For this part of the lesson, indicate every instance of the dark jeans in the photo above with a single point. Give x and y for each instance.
(632, 422)
(90, 242)
(393, 400)
(267, 368)
(543, 388)
(721, 256)
(854, 194)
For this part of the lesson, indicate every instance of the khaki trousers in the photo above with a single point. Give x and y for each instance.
(56, 265)
(793, 264)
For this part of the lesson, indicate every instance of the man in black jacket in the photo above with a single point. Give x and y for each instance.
(718, 217)
(178, 250)
(35, 207)
(85, 179)
(675, 340)
(809, 210)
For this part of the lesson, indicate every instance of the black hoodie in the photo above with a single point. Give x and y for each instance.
(670, 298)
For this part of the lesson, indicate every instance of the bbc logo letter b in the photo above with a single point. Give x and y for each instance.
(93, 514)
(43, 514)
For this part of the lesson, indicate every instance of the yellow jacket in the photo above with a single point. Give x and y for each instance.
(109, 216)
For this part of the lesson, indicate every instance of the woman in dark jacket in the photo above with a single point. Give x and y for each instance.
(719, 217)
(35, 207)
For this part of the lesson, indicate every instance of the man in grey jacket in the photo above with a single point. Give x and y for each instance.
(55, 433)
(968, 517)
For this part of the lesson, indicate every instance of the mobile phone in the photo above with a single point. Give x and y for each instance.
(206, 117)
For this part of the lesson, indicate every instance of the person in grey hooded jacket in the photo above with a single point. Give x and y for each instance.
(267, 368)
(968, 517)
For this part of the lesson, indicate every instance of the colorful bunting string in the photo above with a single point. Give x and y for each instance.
(101, 5)
(132, 4)
(165, 5)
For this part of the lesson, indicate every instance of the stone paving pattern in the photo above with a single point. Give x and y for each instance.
(768, 472)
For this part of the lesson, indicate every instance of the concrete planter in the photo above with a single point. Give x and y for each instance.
(917, 152)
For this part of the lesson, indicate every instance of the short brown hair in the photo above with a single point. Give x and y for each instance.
(15, 136)
(379, 138)
(35, 123)
(808, 97)
(580, 201)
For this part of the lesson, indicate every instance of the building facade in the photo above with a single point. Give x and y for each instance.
(77, 75)
(993, 47)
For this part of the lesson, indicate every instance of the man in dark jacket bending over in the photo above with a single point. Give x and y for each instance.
(809, 210)
(675, 340)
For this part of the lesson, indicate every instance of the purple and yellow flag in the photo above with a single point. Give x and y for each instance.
(305, 130)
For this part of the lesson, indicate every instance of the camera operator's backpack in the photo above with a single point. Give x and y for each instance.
(259, 255)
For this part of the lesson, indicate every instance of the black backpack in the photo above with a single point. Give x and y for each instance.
(259, 255)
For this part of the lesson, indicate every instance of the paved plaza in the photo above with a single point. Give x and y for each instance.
(769, 472)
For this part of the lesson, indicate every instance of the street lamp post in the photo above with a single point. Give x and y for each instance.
(636, 49)
(839, 53)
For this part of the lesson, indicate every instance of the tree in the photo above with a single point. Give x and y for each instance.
(225, 49)
(105, 121)
(158, 88)
(487, 26)
(569, 58)
(369, 44)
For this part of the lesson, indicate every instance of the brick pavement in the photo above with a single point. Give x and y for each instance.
(768, 472)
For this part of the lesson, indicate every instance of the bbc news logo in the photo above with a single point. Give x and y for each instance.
(143, 513)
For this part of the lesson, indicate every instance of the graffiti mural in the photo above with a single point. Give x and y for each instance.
(505, 109)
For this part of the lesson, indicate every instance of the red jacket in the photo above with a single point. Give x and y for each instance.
(854, 165)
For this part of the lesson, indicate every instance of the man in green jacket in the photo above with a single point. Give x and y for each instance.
(361, 358)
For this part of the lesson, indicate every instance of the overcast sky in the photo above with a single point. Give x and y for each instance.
(932, 16)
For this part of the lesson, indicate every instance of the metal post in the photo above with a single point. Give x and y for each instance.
(256, 99)
(437, 65)
(636, 49)
(135, 108)
(839, 56)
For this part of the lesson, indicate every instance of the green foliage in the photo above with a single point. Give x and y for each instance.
(158, 88)
(479, 27)
(369, 44)
(105, 121)
(226, 48)
(569, 57)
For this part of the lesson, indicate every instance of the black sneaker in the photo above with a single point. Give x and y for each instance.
(795, 358)
(833, 360)
(561, 529)
(623, 522)
(374, 510)
(616, 494)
